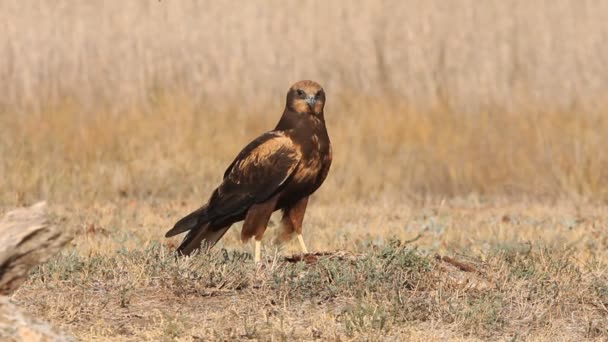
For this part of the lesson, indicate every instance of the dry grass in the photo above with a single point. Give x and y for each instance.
(546, 52)
(380, 150)
(479, 126)
(521, 272)
(501, 97)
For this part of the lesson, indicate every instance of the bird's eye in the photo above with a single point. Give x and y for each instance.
(319, 93)
(301, 93)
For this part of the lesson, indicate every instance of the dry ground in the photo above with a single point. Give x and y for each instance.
(475, 271)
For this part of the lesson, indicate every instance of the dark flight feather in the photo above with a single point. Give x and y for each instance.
(188, 222)
(195, 237)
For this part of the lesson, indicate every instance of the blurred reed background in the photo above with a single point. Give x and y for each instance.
(426, 99)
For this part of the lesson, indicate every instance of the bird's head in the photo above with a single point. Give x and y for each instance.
(306, 97)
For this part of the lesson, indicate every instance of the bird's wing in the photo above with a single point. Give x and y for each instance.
(259, 170)
(256, 174)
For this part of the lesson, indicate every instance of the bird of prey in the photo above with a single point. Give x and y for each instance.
(280, 169)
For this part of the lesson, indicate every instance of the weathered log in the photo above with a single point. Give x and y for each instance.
(26, 240)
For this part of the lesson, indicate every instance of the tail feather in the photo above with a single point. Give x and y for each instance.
(189, 222)
(204, 236)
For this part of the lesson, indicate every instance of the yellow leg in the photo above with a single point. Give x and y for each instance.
(302, 244)
(257, 250)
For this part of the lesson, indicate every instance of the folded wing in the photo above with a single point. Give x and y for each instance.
(256, 174)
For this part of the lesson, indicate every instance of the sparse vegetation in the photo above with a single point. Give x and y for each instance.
(390, 291)
(466, 199)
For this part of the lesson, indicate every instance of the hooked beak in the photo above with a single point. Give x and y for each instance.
(311, 100)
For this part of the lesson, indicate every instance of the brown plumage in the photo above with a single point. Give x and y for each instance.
(278, 170)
